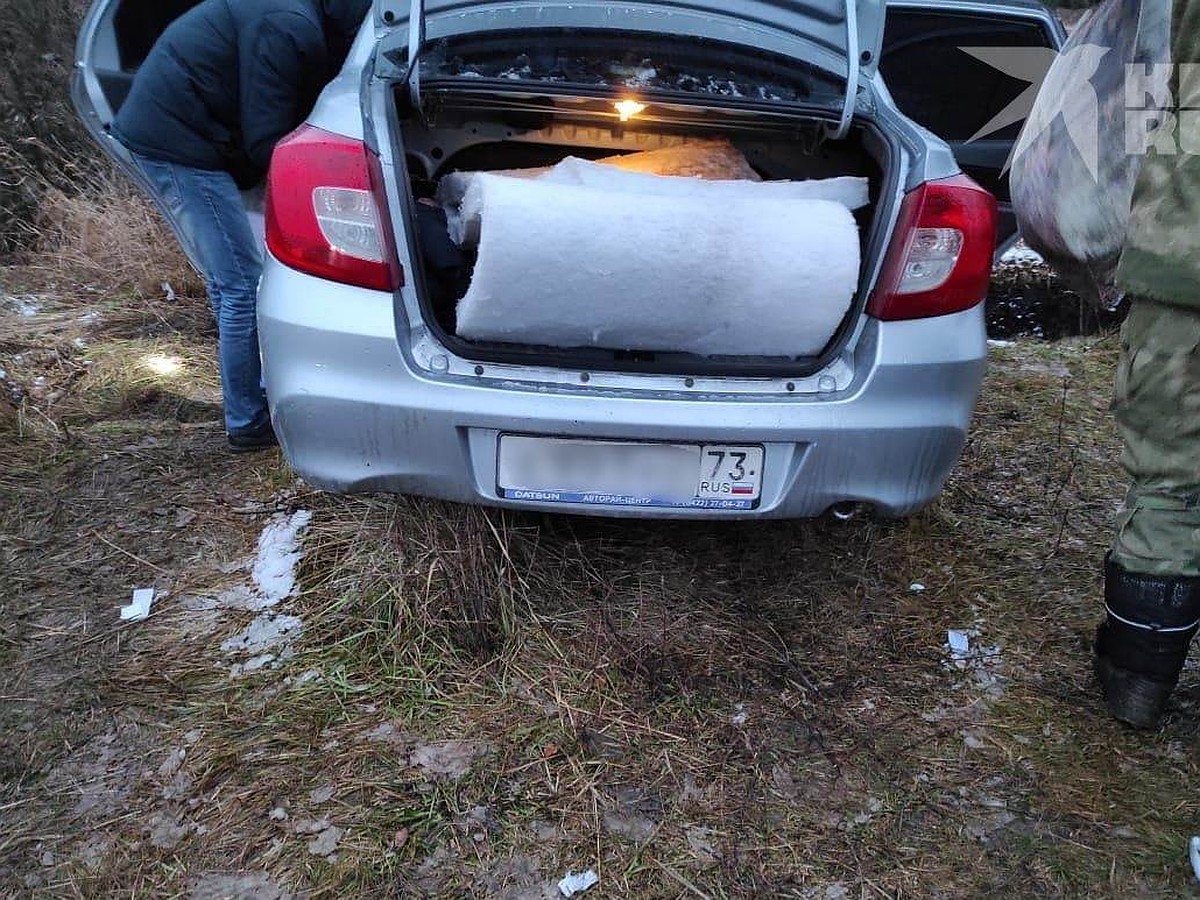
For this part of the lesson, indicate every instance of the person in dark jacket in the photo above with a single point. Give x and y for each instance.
(220, 87)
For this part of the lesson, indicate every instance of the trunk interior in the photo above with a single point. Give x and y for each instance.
(479, 129)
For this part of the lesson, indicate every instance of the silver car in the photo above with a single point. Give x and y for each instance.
(371, 389)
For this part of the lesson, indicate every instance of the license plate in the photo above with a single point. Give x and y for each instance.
(629, 473)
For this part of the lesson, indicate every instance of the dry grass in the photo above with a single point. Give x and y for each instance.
(106, 240)
(701, 710)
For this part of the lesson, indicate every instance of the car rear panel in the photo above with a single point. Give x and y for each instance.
(335, 369)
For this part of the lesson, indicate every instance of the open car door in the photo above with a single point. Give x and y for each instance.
(936, 82)
(114, 40)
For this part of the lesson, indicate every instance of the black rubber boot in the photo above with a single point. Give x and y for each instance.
(1142, 645)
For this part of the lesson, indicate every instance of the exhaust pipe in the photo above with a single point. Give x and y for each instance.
(844, 512)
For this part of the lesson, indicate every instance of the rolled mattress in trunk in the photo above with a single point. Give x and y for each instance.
(710, 268)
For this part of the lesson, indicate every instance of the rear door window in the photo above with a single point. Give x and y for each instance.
(936, 83)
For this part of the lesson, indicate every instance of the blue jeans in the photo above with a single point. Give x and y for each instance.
(206, 210)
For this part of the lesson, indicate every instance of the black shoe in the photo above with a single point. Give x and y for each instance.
(253, 439)
(1142, 645)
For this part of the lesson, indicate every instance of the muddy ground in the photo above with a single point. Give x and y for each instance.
(452, 702)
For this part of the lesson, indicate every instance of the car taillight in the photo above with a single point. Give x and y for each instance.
(326, 213)
(940, 260)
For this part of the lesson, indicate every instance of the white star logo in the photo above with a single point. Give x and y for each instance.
(1044, 69)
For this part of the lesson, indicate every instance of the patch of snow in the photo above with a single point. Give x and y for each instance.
(306, 677)
(916, 588)
(325, 843)
(165, 831)
(268, 638)
(22, 304)
(449, 759)
(700, 842)
(221, 886)
(93, 852)
(983, 663)
(740, 716)
(996, 343)
(630, 825)
(274, 571)
(1020, 254)
(386, 733)
(172, 763)
(266, 632)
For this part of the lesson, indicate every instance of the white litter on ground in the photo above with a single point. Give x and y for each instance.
(959, 643)
(274, 571)
(726, 273)
(983, 663)
(1194, 855)
(139, 609)
(573, 884)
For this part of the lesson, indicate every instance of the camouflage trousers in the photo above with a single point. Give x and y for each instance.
(1157, 407)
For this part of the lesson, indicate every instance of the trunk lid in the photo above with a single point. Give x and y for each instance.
(842, 37)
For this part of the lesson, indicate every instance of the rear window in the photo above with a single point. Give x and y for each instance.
(621, 62)
(938, 84)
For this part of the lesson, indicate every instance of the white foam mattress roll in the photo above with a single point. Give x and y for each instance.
(849, 190)
(738, 274)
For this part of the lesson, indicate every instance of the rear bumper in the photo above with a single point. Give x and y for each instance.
(353, 414)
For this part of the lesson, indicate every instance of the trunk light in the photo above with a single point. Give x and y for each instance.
(940, 260)
(326, 213)
(627, 109)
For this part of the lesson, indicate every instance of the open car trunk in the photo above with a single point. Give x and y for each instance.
(488, 117)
